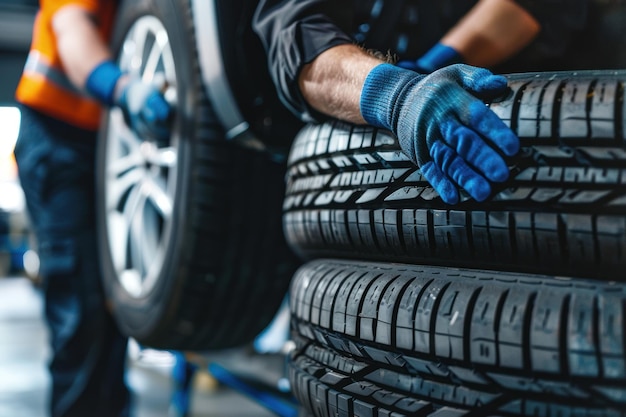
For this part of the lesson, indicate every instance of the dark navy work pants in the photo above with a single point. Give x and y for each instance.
(56, 170)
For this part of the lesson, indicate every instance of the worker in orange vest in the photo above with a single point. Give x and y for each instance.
(68, 78)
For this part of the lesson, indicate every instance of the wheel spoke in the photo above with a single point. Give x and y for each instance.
(152, 233)
(164, 157)
(131, 281)
(134, 217)
(118, 232)
(119, 130)
(132, 206)
(127, 136)
(119, 186)
(152, 62)
(125, 164)
(133, 58)
(157, 195)
(168, 62)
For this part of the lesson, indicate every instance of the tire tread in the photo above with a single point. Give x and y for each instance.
(352, 193)
(509, 344)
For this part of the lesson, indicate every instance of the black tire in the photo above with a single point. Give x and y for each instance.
(401, 340)
(225, 264)
(352, 193)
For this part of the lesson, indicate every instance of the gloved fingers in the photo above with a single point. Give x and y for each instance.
(457, 169)
(134, 95)
(473, 149)
(442, 184)
(139, 95)
(146, 109)
(480, 82)
(485, 122)
(156, 108)
(159, 130)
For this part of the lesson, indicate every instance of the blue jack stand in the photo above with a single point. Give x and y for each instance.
(267, 392)
(280, 403)
(271, 397)
(182, 375)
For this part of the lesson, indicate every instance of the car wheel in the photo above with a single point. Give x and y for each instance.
(191, 241)
(352, 193)
(404, 340)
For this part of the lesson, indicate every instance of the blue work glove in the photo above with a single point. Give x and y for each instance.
(438, 56)
(443, 125)
(144, 107)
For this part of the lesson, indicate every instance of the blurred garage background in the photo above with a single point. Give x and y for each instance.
(16, 18)
(23, 335)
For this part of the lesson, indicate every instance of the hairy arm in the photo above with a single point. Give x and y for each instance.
(80, 46)
(491, 32)
(332, 83)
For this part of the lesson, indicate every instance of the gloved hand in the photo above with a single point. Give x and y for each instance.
(438, 56)
(144, 107)
(443, 125)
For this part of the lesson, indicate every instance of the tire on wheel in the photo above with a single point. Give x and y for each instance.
(191, 241)
(404, 340)
(352, 193)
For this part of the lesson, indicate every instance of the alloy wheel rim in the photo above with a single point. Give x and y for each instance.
(140, 174)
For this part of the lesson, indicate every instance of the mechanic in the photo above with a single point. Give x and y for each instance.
(68, 79)
(319, 62)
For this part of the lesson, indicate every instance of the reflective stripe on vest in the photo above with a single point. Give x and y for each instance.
(46, 88)
(36, 64)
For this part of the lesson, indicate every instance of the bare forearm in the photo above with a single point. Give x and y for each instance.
(491, 32)
(80, 46)
(332, 83)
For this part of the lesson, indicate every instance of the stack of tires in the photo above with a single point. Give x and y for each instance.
(511, 307)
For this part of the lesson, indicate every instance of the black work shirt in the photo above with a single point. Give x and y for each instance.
(295, 32)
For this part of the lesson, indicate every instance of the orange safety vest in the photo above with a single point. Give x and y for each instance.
(44, 85)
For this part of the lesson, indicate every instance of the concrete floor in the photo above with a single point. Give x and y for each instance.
(24, 380)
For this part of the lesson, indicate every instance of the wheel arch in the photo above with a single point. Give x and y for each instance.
(213, 70)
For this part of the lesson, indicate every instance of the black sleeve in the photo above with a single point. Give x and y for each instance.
(294, 33)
